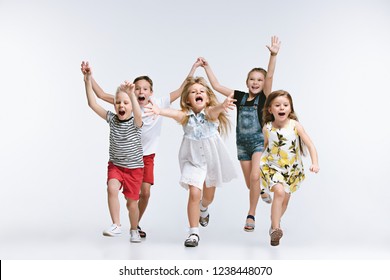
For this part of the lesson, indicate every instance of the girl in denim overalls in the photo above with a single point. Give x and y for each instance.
(203, 158)
(249, 137)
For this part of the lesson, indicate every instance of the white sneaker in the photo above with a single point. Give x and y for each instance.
(134, 236)
(113, 230)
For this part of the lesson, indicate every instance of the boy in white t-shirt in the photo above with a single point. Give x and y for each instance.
(151, 130)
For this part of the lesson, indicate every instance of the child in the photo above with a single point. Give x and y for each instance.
(125, 166)
(150, 137)
(249, 138)
(281, 164)
(203, 157)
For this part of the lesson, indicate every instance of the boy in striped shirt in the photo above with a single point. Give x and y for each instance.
(125, 166)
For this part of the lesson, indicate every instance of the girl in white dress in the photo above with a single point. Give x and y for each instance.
(204, 160)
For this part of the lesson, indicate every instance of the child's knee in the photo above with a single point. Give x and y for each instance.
(145, 194)
(194, 194)
(278, 191)
(131, 204)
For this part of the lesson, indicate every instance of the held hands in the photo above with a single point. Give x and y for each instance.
(198, 63)
(314, 168)
(275, 45)
(203, 62)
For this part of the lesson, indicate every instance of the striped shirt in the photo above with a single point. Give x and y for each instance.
(125, 142)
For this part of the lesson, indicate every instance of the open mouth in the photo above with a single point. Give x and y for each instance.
(198, 99)
(281, 114)
(141, 98)
(122, 113)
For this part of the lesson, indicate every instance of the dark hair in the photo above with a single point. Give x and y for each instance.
(146, 78)
(256, 69)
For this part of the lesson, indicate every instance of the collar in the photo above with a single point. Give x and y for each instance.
(192, 113)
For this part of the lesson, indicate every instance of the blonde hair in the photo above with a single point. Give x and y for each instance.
(224, 122)
(268, 117)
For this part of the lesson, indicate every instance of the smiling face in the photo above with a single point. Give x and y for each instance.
(143, 92)
(197, 97)
(280, 108)
(123, 106)
(255, 81)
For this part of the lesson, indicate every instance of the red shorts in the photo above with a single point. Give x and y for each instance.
(149, 169)
(130, 179)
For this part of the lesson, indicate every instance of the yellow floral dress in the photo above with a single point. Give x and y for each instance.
(281, 161)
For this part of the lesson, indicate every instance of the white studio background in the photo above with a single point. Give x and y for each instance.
(333, 60)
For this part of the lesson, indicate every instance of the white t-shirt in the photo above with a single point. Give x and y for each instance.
(151, 128)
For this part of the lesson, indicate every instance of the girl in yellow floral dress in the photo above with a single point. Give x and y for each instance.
(281, 163)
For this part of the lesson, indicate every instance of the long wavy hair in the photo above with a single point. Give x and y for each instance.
(224, 122)
(268, 117)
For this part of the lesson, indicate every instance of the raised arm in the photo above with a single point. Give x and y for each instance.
(129, 88)
(88, 89)
(100, 93)
(228, 104)
(176, 94)
(152, 109)
(213, 80)
(273, 49)
(310, 146)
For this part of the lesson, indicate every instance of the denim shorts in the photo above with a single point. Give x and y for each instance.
(246, 149)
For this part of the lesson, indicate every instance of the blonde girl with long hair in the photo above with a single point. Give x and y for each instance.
(204, 160)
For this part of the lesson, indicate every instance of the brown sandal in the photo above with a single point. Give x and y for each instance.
(276, 234)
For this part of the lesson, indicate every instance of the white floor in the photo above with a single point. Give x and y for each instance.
(218, 242)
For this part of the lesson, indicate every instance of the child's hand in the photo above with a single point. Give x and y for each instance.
(198, 62)
(127, 87)
(275, 45)
(86, 70)
(203, 62)
(228, 103)
(152, 109)
(314, 168)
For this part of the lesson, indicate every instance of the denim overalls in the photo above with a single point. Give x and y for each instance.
(249, 136)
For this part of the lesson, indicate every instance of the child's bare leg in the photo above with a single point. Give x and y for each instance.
(208, 196)
(143, 199)
(207, 199)
(113, 187)
(277, 205)
(254, 191)
(246, 166)
(193, 206)
(285, 203)
(132, 207)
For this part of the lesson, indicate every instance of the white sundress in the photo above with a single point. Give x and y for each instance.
(203, 157)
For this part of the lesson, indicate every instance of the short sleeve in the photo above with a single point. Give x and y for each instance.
(109, 116)
(238, 95)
